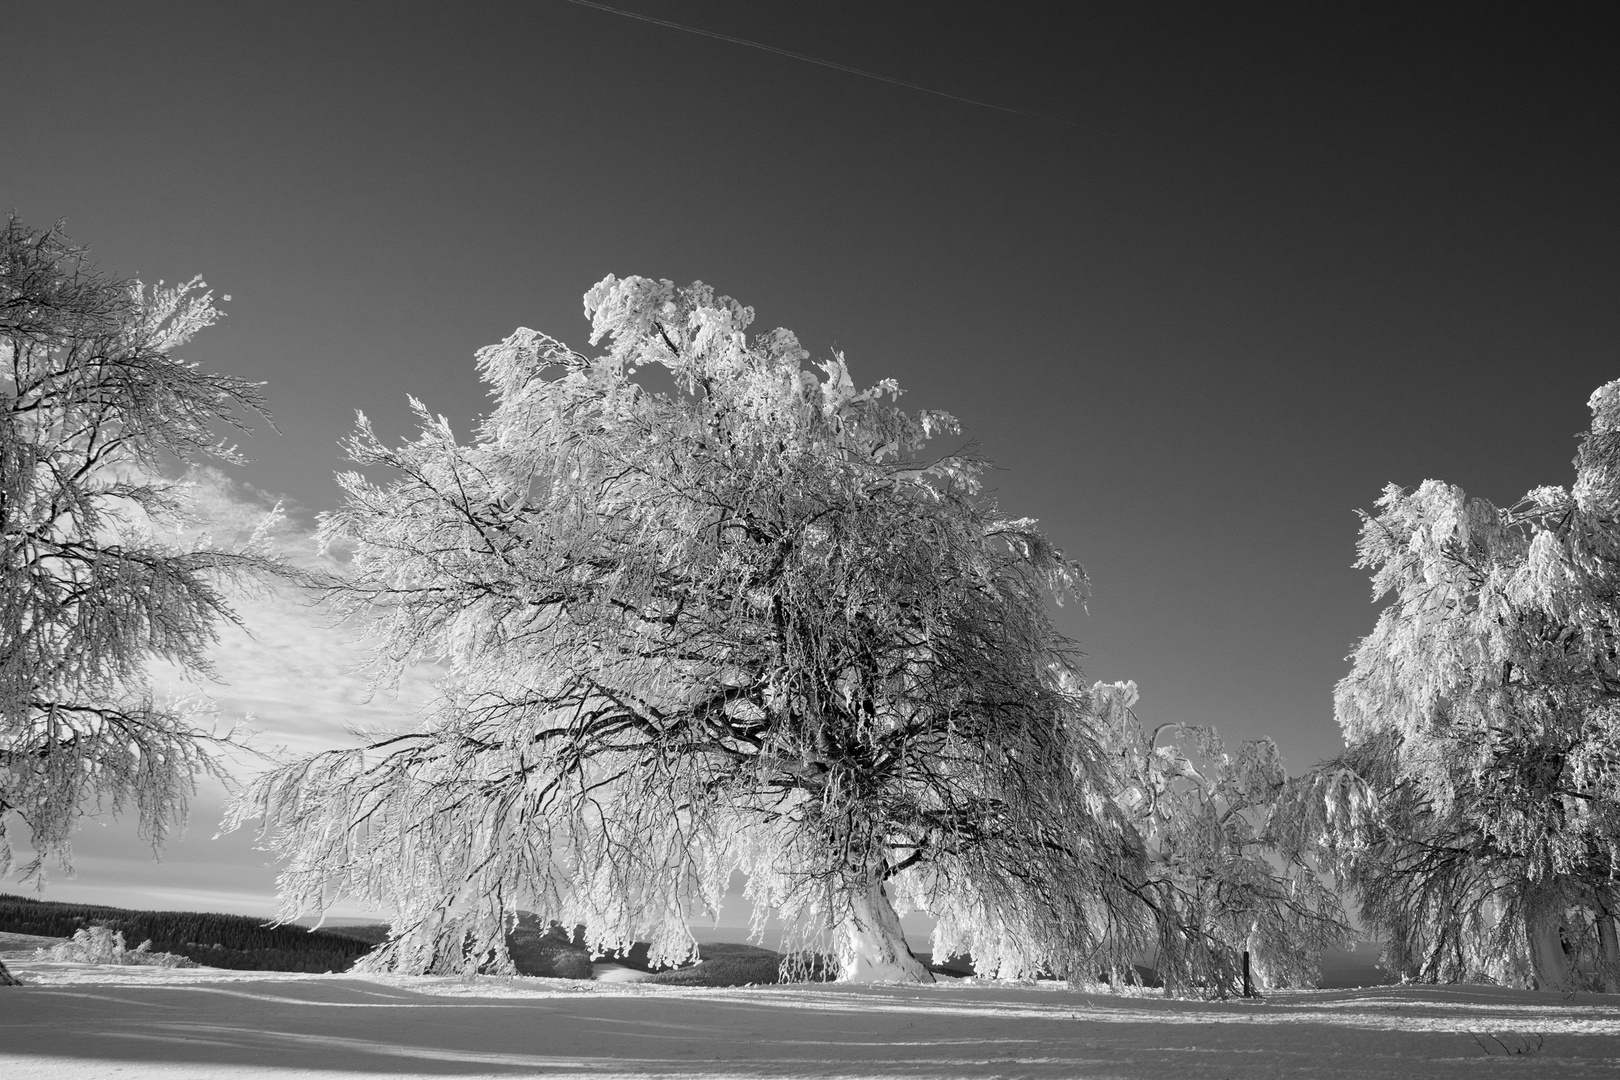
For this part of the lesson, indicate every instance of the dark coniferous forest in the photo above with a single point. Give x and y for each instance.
(223, 941)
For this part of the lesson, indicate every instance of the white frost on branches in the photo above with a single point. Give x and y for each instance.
(1230, 845)
(104, 945)
(1483, 716)
(750, 625)
(93, 408)
(745, 625)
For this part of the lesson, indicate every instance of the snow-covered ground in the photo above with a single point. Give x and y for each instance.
(81, 1022)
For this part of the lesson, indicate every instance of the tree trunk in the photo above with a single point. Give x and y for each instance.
(871, 945)
(6, 977)
(1549, 962)
(1610, 959)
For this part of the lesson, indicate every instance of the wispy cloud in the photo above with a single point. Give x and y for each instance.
(290, 666)
(289, 673)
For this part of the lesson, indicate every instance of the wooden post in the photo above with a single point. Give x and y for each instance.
(1248, 987)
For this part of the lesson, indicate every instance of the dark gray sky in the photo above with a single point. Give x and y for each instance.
(1282, 254)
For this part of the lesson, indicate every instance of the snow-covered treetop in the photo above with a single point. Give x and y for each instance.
(751, 391)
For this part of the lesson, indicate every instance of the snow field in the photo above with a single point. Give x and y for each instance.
(85, 1022)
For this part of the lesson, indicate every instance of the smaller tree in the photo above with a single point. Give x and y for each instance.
(93, 408)
(1228, 843)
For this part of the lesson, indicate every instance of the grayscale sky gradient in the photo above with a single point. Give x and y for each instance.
(1279, 256)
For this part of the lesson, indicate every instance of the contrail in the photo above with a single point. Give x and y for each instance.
(834, 65)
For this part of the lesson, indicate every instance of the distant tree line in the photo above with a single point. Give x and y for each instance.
(223, 941)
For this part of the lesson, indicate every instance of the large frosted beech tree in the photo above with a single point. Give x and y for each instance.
(741, 623)
(1482, 722)
(93, 408)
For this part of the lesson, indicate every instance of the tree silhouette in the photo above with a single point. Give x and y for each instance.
(741, 623)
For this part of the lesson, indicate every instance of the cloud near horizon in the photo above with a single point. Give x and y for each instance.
(288, 673)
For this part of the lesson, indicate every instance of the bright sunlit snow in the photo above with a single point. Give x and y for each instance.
(78, 1022)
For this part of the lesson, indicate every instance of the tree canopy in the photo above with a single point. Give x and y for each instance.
(1482, 722)
(745, 622)
(93, 408)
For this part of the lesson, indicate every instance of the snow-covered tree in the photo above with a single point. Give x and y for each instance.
(93, 408)
(1230, 863)
(1482, 717)
(739, 624)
